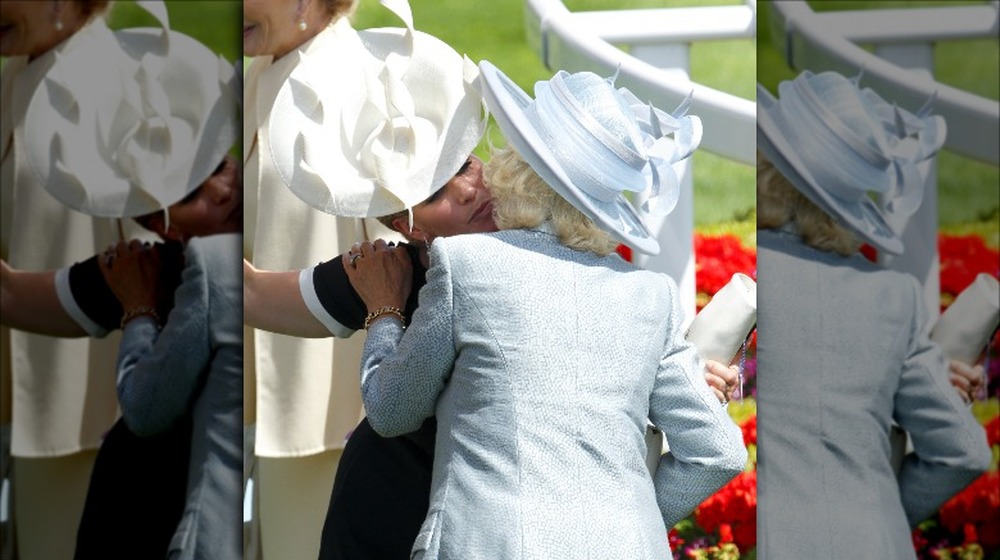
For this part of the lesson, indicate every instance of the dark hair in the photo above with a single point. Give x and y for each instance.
(145, 219)
(388, 219)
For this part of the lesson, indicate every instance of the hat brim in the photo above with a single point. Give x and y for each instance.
(864, 217)
(507, 103)
(91, 178)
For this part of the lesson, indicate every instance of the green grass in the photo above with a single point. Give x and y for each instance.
(968, 190)
(216, 23)
(495, 31)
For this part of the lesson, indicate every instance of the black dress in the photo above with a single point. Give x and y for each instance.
(382, 489)
(136, 494)
(138, 485)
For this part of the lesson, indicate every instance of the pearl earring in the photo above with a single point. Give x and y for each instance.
(302, 25)
(59, 25)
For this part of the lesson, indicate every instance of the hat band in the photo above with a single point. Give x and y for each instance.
(621, 149)
(841, 170)
(837, 126)
(554, 126)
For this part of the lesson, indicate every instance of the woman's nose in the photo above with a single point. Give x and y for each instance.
(464, 192)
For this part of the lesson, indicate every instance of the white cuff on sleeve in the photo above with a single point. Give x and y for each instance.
(69, 304)
(308, 291)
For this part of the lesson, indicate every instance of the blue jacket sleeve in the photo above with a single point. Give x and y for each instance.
(706, 446)
(402, 375)
(159, 372)
(949, 446)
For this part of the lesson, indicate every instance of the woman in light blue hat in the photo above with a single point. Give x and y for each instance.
(543, 362)
(381, 492)
(843, 347)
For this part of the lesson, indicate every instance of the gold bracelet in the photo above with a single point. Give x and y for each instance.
(387, 310)
(138, 311)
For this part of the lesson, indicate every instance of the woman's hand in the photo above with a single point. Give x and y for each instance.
(380, 273)
(967, 380)
(721, 379)
(133, 271)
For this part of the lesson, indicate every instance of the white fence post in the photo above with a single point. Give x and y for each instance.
(920, 234)
(676, 231)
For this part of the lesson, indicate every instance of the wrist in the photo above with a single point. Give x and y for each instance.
(140, 311)
(385, 311)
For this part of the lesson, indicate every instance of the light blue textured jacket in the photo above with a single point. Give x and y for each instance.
(195, 365)
(542, 365)
(843, 354)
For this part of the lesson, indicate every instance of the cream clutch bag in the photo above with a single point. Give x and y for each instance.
(722, 326)
(965, 327)
(717, 332)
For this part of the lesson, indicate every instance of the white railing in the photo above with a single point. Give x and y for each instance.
(656, 69)
(902, 37)
(901, 69)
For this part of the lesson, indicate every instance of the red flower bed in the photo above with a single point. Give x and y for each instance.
(749, 429)
(733, 511)
(717, 258)
(993, 431)
(975, 513)
(962, 258)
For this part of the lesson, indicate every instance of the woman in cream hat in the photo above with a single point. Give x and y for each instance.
(56, 399)
(133, 136)
(293, 451)
(148, 479)
(412, 120)
(541, 352)
(843, 347)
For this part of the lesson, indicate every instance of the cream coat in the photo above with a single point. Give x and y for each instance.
(307, 398)
(62, 390)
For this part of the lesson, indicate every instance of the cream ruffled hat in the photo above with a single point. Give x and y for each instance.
(127, 123)
(376, 121)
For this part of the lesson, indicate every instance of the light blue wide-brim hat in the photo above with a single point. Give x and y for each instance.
(592, 143)
(837, 144)
(126, 123)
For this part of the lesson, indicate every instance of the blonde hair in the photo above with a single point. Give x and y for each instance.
(779, 203)
(521, 200)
